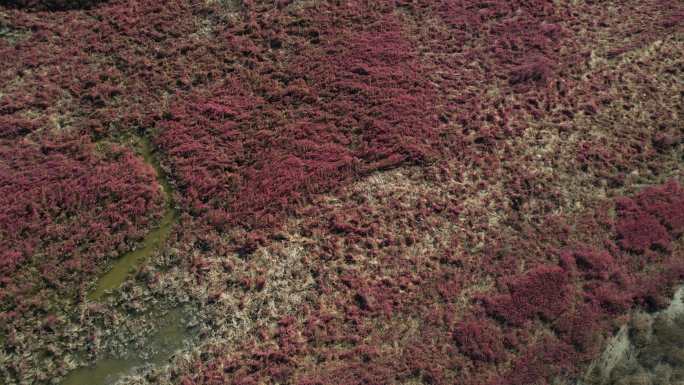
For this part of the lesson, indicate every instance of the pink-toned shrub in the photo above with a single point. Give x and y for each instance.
(11, 127)
(353, 102)
(50, 5)
(540, 364)
(639, 230)
(542, 292)
(256, 107)
(612, 298)
(652, 218)
(590, 264)
(65, 208)
(665, 202)
(580, 328)
(606, 285)
(537, 70)
(480, 340)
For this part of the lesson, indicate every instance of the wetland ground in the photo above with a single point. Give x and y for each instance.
(341, 192)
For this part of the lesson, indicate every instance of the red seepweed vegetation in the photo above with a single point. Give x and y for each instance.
(65, 208)
(259, 110)
(534, 326)
(542, 292)
(50, 5)
(352, 103)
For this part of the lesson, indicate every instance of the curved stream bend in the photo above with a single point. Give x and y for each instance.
(153, 241)
(173, 331)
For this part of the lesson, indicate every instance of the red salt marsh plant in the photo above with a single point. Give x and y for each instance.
(351, 103)
(542, 292)
(65, 209)
(257, 109)
(651, 219)
(535, 325)
(50, 5)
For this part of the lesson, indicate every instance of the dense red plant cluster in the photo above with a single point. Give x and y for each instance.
(353, 101)
(65, 208)
(541, 292)
(50, 5)
(480, 340)
(263, 111)
(533, 326)
(356, 96)
(541, 361)
(652, 218)
(639, 231)
(591, 287)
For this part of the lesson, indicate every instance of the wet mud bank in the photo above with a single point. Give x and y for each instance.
(173, 332)
(170, 328)
(152, 242)
(649, 350)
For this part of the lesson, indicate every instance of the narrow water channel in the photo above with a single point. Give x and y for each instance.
(153, 241)
(173, 329)
(172, 333)
(648, 350)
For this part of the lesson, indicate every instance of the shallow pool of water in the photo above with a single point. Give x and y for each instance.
(172, 334)
(171, 325)
(152, 242)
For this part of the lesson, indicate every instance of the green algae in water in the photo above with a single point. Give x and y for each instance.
(131, 260)
(105, 372)
(151, 243)
(171, 335)
(168, 339)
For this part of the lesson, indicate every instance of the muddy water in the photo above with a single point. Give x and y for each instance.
(153, 241)
(649, 350)
(172, 329)
(172, 334)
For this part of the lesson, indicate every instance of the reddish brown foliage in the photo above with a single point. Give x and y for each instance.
(65, 208)
(652, 218)
(259, 110)
(541, 292)
(50, 5)
(639, 230)
(480, 340)
(350, 103)
(540, 363)
(665, 202)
